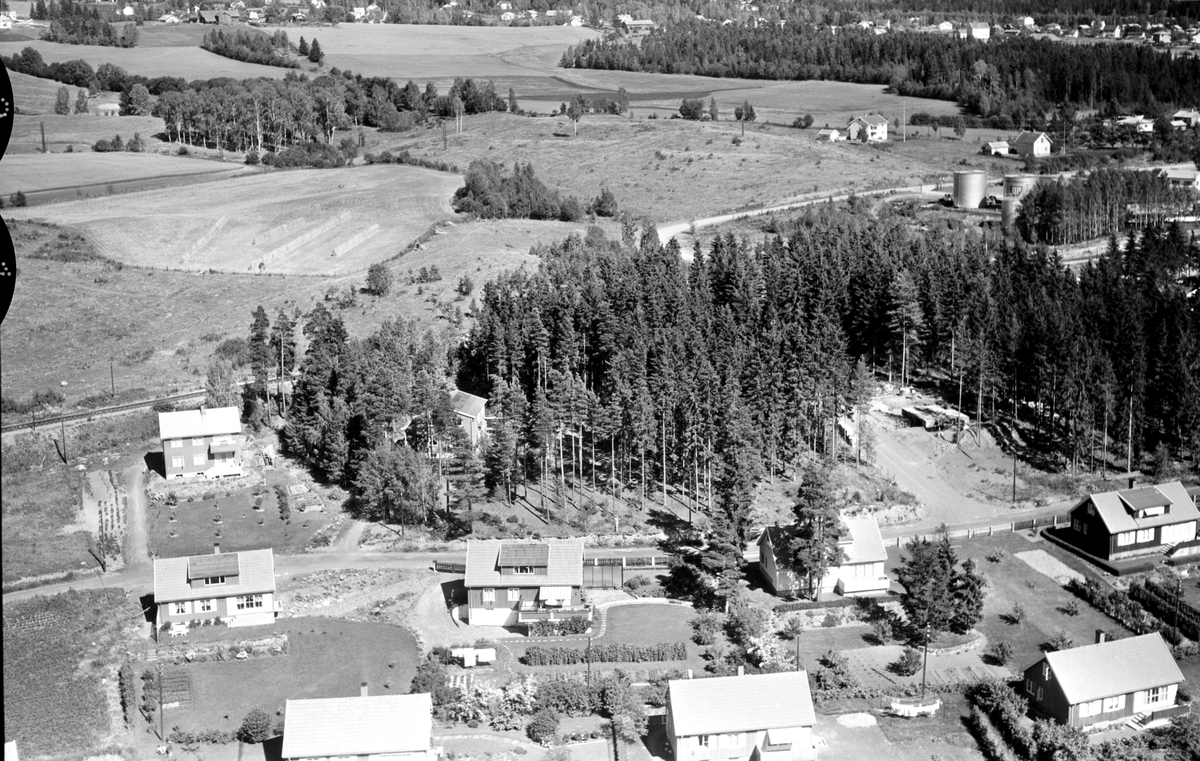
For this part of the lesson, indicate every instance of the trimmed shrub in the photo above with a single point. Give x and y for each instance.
(908, 664)
(543, 726)
(614, 653)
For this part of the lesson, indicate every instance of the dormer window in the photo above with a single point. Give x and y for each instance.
(1045, 672)
(1152, 511)
(523, 570)
(212, 581)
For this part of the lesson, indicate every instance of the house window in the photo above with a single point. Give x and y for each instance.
(248, 602)
(1156, 694)
(1045, 672)
(489, 595)
(1090, 708)
(179, 609)
(176, 443)
(1039, 695)
(198, 442)
(1029, 687)
(1091, 509)
(206, 606)
(176, 462)
(514, 595)
(702, 741)
(1124, 538)
(1145, 535)
(1115, 703)
(523, 570)
(199, 459)
(210, 581)
(1152, 511)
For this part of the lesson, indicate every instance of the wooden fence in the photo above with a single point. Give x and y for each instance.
(993, 530)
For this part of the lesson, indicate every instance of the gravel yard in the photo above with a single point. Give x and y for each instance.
(1048, 565)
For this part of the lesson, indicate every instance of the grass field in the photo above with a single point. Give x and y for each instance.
(38, 171)
(440, 53)
(79, 132)
(187, 62)
(670, 169)
(34, 95)
(327, 658)
(180, 35)
(351, 218)
(56, 650)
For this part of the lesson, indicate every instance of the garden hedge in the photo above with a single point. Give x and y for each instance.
(615, 653)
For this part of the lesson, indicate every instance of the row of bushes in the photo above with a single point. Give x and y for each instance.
(1006, 710)
(404, 157)
(1115, 604)
(40, 400)
(614, 653)
(863, 603)
(135, 145)
(1164, 604)
(125, 679)
(566, 626)
(179, 736)
(990, 739)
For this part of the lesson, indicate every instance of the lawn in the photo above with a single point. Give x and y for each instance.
(249, 224)
(35, 95)
(34, 172)
(327, 658)
(241, 527)
(56, 651)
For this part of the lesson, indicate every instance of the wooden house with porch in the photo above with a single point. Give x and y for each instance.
(236, 588)
(511, 583)
(1132, 680)
(201, 442)
(1133, 522)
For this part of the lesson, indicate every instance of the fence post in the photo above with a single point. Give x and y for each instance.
(990, 530)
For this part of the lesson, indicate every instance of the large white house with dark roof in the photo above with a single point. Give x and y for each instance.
(201, 442)
(871, 128)
(1120, 680)
(365, 728)
(763, 717)
(860, 571)
(1133, 522)
(237, 588)
(510, 583)
(471, 413)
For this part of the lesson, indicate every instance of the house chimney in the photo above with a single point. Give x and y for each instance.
(1101, 636)
(216, 548)
(741, 670)
(362, 690)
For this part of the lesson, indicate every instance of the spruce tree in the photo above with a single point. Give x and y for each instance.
(314, 52)
(817, 529)
(260, 352)
(62, 101)
(302, 48)
(81, 101)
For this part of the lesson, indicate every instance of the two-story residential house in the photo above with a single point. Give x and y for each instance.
(471, 413)
(763, 717)
(510, 583)
(365, 728)
(860, 571)
(203, 441)
(237, 588)
(1141, 521)
(871, 128)
(1187, 179)
(1035, 144)
(975, 30)
(1106, 682)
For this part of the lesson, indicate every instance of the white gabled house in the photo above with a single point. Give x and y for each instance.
(236, 588)
(860, 572)
(365, 728)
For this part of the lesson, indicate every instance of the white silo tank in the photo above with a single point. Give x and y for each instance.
(969, 189)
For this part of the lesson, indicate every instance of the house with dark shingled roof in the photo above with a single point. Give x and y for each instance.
(512, 583)
(1133, 522)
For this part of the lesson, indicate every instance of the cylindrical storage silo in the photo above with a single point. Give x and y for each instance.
(969, 189)
(1019, 184)
(1008, 210)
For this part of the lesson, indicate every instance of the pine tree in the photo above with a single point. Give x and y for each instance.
(968, 594)
(81, 101)
(928, 597)
(219, 387)
(260, 352)
(302, 48)
(283, 347)
(314, 52)
(62, 101)
(512, 101)
(817, 529)
(713, 113)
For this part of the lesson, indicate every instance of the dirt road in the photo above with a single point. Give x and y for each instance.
(137, 547)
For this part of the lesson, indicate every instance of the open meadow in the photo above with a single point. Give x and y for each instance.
(187, 62)
(307, 222)
(669, 169)
(34, 95)
(38, 173)
(79, 133)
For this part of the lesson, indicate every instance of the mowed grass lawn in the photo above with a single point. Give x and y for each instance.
(195, 530)
(79, 133)
(43, 171)
(327, 658)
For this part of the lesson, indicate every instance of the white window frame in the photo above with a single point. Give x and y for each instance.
(249, 602)
(1125, 538)
(1156, 694)
(1090, 708)
(1115, 703)
(176, 462)
(176, 443)
(214, 581)
(1091, 509)
(1045, 672)
(523, 570)
(198, 441)
(1145, 535)
(489, 595)
(199, 459)
(1029, 686)
(1150, 512)
(513, 595)
(702, 740)
(179, 609)
(206, 606)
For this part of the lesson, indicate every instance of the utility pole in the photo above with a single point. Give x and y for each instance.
(63, 427)
(904, 120)
(43, 126)
(161, 728)
(589, 660)
(1129, 439)
(925, 660)
(445, 145)
(1014, 446)
(111, 378)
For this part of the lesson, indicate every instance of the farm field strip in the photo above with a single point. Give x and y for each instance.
(183, 228)
(187, 62)
(34, 173)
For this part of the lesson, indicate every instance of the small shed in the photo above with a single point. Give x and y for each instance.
(108, 109)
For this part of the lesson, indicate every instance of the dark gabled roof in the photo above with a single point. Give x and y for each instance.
(1143, 498)
(204, 566)
(512, 555)
(1029, 138)
(564, 563)
(1118, 515)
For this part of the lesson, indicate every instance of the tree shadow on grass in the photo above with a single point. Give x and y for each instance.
(156, 463)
